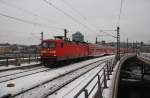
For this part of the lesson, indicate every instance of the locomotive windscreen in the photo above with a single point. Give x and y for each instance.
(48, 44)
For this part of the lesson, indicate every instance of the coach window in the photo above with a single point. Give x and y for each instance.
(62, 45)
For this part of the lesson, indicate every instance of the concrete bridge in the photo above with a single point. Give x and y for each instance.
(130, 78)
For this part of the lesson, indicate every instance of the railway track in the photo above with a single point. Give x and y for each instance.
(20, 67)
(7, 76)
(49, 86)
(12, 74)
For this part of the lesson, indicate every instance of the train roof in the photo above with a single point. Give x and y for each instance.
(56, 40)
(68, 41)
(61, 40)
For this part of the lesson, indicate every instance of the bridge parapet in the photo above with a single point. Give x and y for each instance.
(113, 89)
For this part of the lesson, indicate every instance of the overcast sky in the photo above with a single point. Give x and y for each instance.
(86, 16)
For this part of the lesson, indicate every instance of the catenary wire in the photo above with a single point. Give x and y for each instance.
(74, 9)
(68, 15)
(120, 12)
(26, 11)
(29, 22)
(79, 14)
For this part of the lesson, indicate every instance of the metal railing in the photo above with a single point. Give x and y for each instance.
(101, 78)
(145, 55)
(19, 60)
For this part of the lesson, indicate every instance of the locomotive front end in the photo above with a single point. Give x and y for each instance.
(48, 51)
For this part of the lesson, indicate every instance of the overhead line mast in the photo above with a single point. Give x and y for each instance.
(41, 37)
(118, 43)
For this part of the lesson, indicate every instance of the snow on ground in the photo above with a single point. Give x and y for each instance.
(14, 66)
(9, 72)
(36, 79)
(106, 92)
(22, 73)
(71, 89)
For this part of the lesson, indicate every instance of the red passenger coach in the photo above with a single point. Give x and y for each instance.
(96, 50)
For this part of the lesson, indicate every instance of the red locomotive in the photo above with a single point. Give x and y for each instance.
(60, 50)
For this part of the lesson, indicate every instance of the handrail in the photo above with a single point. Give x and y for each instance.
(101, 82)
(19, 60)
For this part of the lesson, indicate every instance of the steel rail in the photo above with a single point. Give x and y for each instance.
(19, 67)
(20, 76)
(21, 71)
